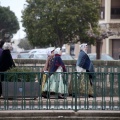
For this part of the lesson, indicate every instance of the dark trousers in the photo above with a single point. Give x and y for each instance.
(1, 79)
(0, 88)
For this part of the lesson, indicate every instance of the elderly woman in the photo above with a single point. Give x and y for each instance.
(46, 69)
(84, 81)
(49, 60)
(55, 83)
(6, 61)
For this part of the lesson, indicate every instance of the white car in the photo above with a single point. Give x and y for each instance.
(38, 56)
(23, 56)
(104, 56)
(42, 51)
(44, 56)
(67, 57)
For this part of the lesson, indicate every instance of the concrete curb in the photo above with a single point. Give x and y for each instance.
(59, 113)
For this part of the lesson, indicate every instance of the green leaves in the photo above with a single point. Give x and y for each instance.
(20, 74)
(59, 21)
(8, 21)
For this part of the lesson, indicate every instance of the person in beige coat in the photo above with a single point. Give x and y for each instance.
(46, 69)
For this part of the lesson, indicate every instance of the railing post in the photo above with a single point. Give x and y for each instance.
(119, 90)
(111, 90)
(75, 91)
(103, 91)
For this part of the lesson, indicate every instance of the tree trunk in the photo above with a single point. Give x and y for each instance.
(98, 48)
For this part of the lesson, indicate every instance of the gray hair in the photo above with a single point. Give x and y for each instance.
(82, 46)
(7, 46)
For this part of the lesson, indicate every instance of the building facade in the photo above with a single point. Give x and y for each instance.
(109, 14)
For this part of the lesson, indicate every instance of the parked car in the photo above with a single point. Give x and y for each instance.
(104, 56)
(41, 51)
(67, 57)
(23, 56)
(14, 54)
(38, 56)
(25, 51)
(44, 56)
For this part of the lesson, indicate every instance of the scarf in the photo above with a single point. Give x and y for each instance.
(56, 63)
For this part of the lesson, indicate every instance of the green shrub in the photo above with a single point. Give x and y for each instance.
(20, 74)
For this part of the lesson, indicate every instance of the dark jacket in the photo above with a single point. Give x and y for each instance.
(57, 61)
(85, 62)
(6, 61)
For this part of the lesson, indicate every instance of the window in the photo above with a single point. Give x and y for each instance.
(72, 47)
(115, 13)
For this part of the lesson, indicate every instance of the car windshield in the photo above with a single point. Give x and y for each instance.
(38, 56)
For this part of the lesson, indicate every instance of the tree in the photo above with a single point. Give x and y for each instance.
(24, 43)
(8, 23)
(105, 31)
(57, 22)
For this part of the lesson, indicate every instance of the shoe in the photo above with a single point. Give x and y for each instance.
(43, 95)
(73, 95)
(90, 96)
(61, 97)
(46, 96)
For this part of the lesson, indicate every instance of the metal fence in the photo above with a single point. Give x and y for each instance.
(17, 94)
(71, 68)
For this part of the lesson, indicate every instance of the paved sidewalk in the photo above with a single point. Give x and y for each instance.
(69, 103)
(59, 115)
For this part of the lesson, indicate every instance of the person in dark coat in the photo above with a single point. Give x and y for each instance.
(6, 62)
(84, 81)
(1, 50)
(1, 45)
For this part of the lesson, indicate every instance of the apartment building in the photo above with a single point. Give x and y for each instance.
(109, 13)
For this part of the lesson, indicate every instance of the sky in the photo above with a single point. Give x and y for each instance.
(16, 6)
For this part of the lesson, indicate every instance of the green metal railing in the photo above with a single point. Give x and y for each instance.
(21, 95)
(71, 68)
